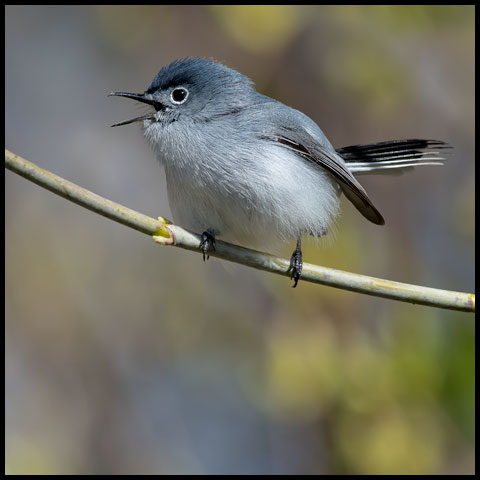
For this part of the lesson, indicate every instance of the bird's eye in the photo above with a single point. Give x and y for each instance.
(179, 95)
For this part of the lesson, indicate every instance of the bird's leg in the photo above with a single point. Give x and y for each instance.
(296, 263)
(207, 244)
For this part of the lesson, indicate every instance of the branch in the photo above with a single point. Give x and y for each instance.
(165, 233)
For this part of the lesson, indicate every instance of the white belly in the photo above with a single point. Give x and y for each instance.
(258, 205)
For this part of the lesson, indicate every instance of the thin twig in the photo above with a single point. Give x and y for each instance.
(165, 233)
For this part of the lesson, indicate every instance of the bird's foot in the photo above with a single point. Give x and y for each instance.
(296, 264)
(207, 244)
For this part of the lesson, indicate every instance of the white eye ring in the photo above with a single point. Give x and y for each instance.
(179, 95)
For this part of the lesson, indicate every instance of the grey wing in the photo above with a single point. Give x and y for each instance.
(296, 131)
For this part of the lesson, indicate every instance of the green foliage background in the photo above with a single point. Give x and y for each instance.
(124, 357)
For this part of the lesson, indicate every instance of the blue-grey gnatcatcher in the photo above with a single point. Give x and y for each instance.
(248, 169)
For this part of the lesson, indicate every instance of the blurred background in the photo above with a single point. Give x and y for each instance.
(126, 357)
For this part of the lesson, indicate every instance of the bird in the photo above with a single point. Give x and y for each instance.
(246, 168)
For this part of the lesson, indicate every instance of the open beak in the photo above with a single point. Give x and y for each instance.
(139, 97)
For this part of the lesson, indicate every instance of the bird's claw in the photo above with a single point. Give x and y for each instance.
(207, 244)
(296, 264)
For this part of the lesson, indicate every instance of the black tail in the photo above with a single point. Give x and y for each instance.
(393, 155)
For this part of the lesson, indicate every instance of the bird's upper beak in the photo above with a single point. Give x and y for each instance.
(139, 97)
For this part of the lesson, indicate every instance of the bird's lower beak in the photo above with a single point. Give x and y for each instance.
(139, 97)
